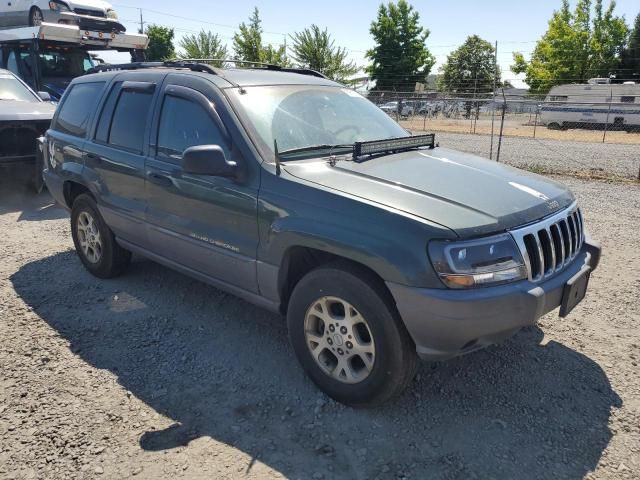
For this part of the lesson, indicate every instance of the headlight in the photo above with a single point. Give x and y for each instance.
(475, 263)
(112, 14)
(58, 6)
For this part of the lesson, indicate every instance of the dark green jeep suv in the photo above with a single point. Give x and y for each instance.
(299, 195)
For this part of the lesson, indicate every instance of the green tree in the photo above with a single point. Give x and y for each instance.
(400, 57)
(202, 45)
(247, 44)
(470, 69)
(630, 65)
(314, 48)
(577, 45)
(160, 43)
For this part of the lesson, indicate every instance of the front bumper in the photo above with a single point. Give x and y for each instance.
(85, 22)
(445, 323)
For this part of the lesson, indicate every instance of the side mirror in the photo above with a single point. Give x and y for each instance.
(208, 160)
(44, 96)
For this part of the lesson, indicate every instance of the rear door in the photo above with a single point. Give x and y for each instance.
(115, 158)
(205, 223)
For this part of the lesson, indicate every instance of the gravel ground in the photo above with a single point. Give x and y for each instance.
(554, 155)
(155, 375)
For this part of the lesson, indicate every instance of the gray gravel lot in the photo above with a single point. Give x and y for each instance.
(555, 155)
(155, 375)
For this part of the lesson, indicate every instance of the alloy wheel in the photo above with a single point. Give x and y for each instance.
(339, 340)
(89, 237)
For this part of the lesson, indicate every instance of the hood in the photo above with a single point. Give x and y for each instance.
(90, 4)
(468, 194)
(11, 110)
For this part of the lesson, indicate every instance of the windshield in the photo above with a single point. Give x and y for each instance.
(12, 89)
(304, 116)
(64, 63)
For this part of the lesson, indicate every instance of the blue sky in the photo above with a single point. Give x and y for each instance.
(516, 25)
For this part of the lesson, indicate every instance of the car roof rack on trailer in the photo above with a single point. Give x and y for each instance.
(202, 65)
(74, 35)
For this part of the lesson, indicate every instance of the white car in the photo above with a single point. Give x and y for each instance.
(87, 14)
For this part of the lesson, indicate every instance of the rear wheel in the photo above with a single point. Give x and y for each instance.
(35, 17)
(348, 337)
(94, 241)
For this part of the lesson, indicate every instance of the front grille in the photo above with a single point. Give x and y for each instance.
(91, 13)
(550, 245)
(17, 140)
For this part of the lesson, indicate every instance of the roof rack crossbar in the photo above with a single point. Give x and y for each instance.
(191, 65)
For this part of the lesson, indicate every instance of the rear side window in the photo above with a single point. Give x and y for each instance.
(130, 120)
(185, 124)
(75, 112)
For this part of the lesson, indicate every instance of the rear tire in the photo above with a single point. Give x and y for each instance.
(35, 17)
(324, 296)
(94, 241)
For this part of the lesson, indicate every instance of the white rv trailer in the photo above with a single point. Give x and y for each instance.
(593, 105)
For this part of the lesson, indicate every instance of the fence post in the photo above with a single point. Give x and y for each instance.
(493, 106)
(504, 108)
(535, 122)
(606, 124)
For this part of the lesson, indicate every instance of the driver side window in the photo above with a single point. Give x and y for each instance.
(185, 124)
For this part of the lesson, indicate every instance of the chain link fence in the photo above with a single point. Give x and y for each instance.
(536, 133)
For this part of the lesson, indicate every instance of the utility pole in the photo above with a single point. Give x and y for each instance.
(493, 110)
(141, 23)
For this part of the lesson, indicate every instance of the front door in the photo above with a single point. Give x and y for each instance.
(114, 160)
(207, 224)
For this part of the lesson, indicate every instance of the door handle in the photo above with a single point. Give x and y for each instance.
(160, 179)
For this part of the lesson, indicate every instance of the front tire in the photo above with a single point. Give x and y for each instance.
(94, 241)
(35, 17)
(348, 336)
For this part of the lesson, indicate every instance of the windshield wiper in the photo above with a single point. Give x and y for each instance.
(311, 148)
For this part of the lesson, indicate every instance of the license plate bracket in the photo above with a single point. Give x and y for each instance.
(574, 291)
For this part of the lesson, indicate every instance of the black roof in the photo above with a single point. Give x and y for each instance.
(261, 74)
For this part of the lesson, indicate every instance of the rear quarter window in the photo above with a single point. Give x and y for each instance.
(75, 111)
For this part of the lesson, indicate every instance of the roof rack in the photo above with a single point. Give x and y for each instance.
(196, 67)
(258, 65)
